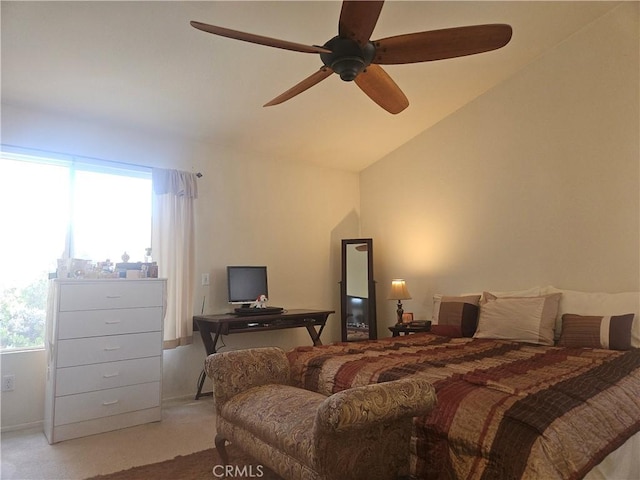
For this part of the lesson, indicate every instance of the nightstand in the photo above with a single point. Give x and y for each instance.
(407, 328)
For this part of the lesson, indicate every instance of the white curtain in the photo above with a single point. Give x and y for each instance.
(173, 247)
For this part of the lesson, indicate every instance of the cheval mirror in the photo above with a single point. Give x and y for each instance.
(357, 291)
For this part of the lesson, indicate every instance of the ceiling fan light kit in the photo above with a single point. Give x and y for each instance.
(347, 58)
(354, 57)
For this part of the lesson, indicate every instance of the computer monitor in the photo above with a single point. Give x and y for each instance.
(246, 284)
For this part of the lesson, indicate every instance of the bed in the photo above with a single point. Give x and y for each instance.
(532, 407)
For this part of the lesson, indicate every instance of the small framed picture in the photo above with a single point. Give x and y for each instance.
(407, 317)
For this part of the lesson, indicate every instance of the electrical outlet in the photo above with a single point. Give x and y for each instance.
(205, 279)
(8, 383)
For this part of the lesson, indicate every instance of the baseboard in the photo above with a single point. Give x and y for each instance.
(39, 425)
(166, 402)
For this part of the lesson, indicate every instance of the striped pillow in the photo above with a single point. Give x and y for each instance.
(610, 332)
(459, 314)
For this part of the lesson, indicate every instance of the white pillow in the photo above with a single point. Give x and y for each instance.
(521, 319)
(599, 304)
(529, 292)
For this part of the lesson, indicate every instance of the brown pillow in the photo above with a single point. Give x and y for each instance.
(459, 312)
(610, 332)
(453, 331)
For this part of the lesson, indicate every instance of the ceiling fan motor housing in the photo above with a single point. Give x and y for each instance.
(347, 58)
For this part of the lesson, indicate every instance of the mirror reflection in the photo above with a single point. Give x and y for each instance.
(358, 290)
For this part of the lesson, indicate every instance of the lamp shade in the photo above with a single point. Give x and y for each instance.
(399, 290)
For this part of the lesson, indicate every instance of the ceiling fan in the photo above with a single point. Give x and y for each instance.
(352, 55)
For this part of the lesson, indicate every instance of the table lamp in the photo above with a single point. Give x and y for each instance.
(399, 292)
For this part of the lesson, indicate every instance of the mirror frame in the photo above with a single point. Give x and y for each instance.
(371, 289)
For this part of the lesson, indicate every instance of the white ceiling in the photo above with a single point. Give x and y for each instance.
(141, 64)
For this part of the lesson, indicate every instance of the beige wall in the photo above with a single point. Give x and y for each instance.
(256, 211)
(535, 182)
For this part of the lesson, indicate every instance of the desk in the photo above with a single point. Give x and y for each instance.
(212, 326)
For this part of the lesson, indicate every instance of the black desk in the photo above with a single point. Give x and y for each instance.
(212, 326)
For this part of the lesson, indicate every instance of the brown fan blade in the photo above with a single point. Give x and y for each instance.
(441, 44)
(259, 39)
(305, 84)
(380, 88)
(358, 19)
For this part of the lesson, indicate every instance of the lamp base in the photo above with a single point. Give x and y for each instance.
(399, 312)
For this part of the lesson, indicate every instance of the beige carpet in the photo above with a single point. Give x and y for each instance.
(205, 465)
(187, 426)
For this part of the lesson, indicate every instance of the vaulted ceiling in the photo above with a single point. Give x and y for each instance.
(141, 65)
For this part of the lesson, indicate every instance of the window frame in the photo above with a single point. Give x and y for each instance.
(73, 163)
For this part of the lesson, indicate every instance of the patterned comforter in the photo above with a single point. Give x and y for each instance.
(505, 410)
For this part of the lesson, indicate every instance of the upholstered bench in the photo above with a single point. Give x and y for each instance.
(360, 433)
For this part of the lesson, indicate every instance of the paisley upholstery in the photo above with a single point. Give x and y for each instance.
(236, 371)
(359, 433)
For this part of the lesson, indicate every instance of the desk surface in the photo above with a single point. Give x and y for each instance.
(235, 318)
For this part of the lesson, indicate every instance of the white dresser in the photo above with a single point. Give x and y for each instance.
(104, 355)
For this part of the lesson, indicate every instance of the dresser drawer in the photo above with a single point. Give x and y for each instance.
(95, 323)
(101, 376)
(103, 295)
(84, 351)
(103, 403)
(104, 352)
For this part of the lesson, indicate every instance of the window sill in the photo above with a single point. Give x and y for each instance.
(21, 350)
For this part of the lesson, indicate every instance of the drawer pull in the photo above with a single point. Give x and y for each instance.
(111, 349)
(112, 322)
(112, 402)
(114, 296)
(110, 375)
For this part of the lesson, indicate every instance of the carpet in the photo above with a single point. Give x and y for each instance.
(204, 465)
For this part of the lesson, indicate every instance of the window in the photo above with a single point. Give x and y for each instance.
(52, 208)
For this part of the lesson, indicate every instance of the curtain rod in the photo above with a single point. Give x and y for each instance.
(35, 151)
